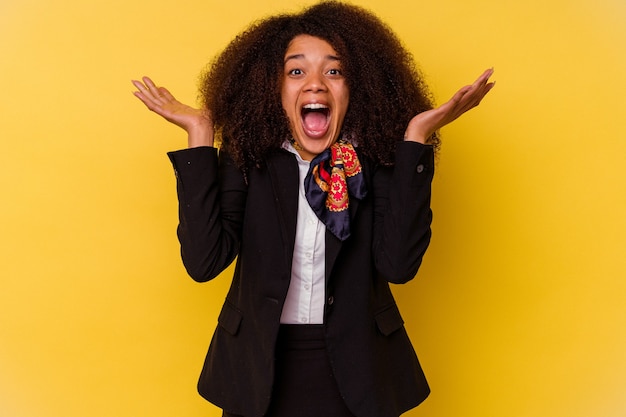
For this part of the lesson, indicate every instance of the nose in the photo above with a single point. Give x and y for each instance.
(315, 83)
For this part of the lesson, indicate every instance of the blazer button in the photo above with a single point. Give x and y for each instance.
(420, 168)
(331, 300)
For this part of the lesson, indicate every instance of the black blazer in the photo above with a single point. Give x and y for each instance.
(222, 217)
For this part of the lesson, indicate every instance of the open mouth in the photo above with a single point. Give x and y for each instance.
(315, 119)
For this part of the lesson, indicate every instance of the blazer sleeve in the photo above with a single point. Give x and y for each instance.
(211, 202)
(402, 213)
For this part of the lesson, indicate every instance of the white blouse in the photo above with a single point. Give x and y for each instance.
(305, 298)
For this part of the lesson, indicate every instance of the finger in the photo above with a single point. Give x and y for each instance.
(477, 91)
(164, 92)
(458, 96)
(149, 84)
(143, 89)
(482, 88)
(464, 100)
(148, 102)
(139, 86)
(153, 90)
(484, 77)
(146, 96)
(142, 93)
(456, 106)
(149, 92)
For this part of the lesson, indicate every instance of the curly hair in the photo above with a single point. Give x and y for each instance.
(241, 87)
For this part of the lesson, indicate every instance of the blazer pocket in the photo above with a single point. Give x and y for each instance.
(389, 320)
(230, 318)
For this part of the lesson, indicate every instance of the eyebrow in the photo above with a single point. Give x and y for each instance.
(301, 56)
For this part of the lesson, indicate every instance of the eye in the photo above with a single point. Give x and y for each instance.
(295, 71)
(334, 72)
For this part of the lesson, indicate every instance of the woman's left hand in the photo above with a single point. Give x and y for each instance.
(425, 124)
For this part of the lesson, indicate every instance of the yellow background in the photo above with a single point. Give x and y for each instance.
(519, 309)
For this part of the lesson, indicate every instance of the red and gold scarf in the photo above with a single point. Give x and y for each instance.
(333, 176)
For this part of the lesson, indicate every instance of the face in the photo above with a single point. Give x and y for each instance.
(314, 94)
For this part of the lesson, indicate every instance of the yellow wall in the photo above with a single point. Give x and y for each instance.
(519, 309)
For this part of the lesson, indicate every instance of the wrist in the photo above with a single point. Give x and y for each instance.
(418, 139)
(200, 135)
(414, 133)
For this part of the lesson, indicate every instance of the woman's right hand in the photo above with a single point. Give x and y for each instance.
(196, 122)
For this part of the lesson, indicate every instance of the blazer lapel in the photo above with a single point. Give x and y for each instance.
(283, 170)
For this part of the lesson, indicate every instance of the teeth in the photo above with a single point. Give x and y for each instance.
(315, 106)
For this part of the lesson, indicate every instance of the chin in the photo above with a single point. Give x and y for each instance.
(313, 146)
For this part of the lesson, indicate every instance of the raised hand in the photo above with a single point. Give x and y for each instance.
(422, 126)
(196, 122)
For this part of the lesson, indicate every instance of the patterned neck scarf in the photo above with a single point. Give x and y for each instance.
(333, 175)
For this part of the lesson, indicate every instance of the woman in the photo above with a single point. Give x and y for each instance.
(321, 190)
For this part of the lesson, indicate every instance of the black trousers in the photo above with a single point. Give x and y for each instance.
(304, 385)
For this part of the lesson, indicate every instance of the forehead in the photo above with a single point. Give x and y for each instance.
(302, 46)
